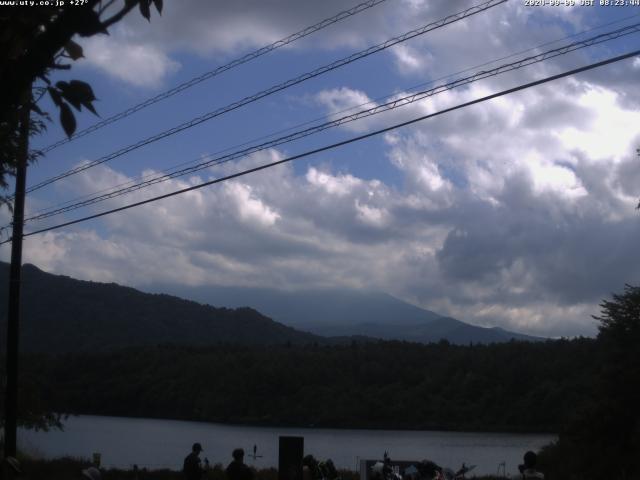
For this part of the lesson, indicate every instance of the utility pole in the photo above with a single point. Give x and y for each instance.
(15, 279)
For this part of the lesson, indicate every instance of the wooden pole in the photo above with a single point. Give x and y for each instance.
(15, 279)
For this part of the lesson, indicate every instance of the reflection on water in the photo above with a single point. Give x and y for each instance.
(164, 443)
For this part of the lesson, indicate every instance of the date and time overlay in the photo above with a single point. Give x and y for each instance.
(526, 3)
(581, 3)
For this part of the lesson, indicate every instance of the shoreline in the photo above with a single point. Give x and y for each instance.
(268, 425)
(125, 441)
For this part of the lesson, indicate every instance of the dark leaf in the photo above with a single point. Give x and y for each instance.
(69, 94)
(55, 96)
(83, 90)
(78, 94)
(130, 3)
(83, 93)
(37, 109)
(89, 106)
(74, 50)
(145, 10)
(67, 119)
(158, 4)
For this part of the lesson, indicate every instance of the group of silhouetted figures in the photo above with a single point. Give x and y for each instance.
(194, 469)
(429, 470)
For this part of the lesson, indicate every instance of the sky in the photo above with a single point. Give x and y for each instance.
(518, 212)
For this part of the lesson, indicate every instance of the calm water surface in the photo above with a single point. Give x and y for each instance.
(164, 443)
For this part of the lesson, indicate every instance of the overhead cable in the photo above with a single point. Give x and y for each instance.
(338, 144)
(374, 101)
(276, 88)
(217, 71)
(391, 105)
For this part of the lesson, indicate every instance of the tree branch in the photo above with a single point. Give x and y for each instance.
(118, 16)
(41, 52)
(104, 9)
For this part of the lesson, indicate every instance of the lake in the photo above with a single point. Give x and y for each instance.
(156, 444)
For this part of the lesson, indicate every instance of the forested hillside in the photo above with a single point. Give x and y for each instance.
(503, 387)
(62, 314)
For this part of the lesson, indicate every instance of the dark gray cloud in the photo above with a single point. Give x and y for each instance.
(568, 253)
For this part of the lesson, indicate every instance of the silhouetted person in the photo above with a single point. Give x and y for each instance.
(237, 470)
(192, 467)
(387, 468)
(528, 470)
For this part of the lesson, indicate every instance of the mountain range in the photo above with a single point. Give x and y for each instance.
(343, 312)
(62, 314)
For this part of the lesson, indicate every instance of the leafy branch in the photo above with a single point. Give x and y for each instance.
(34, 43)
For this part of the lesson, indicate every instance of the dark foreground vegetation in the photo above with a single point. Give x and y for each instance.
(503, 387)
(70, 468)
(603, 439)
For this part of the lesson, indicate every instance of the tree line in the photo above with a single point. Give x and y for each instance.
(516, 386)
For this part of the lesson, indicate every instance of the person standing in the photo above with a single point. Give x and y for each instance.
(192, 467)
(528, 470)
(237, 470)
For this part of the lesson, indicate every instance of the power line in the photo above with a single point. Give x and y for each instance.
(325, 117)
(276, 88)
(397, 103)
(444, 77)
(339, 144)
(217, 71)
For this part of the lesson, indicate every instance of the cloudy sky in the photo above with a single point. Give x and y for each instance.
(517, 212)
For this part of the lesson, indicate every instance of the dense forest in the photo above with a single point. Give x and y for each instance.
(516, 386)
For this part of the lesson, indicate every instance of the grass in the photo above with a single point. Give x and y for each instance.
(68, 468)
